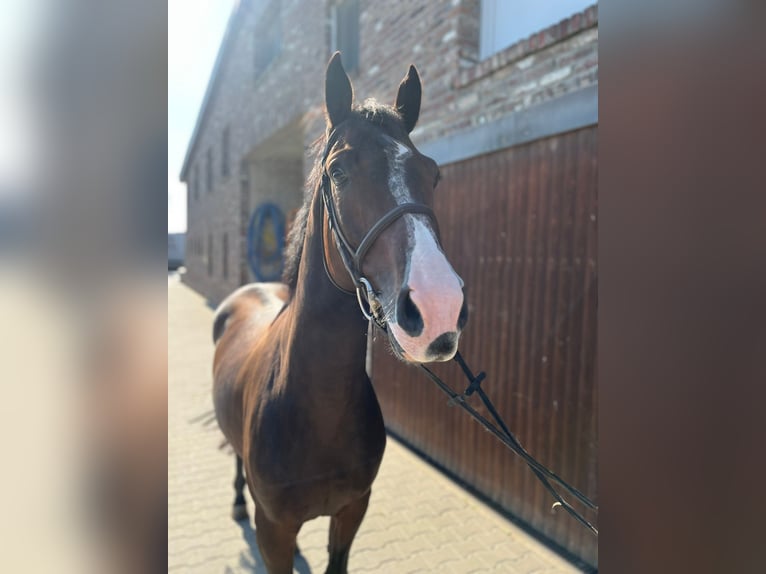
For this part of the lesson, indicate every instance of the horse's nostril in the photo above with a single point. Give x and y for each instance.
(407, 314)
(444, 344)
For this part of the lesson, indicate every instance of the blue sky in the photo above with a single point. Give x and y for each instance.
(195, 31)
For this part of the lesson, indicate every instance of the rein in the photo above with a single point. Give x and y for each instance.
(372, 311)
(501, 432)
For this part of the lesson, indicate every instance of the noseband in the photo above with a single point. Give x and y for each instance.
(354, 258)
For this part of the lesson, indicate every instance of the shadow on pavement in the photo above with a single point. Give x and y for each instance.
(252, 560)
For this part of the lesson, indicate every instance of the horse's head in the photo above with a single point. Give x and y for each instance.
(380, 189)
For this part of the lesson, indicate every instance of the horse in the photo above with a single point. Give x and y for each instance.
(291, 393)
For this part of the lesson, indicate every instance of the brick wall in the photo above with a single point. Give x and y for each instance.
(253, 107)
(439, 37)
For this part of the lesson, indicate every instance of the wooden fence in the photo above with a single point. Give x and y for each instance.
(519, 226)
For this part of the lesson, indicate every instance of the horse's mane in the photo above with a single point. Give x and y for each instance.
(372, 111)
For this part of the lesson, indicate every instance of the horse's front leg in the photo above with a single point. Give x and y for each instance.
(277, 543)
(343, 528)
(239, 508)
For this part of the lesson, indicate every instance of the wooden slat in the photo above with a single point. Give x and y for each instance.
(517, 226)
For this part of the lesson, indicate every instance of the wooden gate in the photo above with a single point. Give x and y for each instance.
(519, 226)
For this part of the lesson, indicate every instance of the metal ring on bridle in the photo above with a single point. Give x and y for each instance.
(369, 297)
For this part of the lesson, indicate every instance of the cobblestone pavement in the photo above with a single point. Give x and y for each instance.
(417, 518)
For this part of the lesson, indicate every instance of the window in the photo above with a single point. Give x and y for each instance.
(225, 260)
(210, 255)
(268, 37)
(195, 182)
(209, 170)
(225, 153)
(345, 33)
(505, 22)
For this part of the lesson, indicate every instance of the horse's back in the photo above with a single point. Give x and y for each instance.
(254, 304)
(240, 321)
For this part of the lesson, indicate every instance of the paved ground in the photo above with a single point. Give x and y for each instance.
(417, 518)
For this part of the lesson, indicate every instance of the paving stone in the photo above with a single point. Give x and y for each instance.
(417, 519)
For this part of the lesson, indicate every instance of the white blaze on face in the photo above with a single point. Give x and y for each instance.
(397, 155)
(435, 288)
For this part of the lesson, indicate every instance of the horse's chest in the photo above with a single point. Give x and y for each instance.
(306, 470)
(303, 484)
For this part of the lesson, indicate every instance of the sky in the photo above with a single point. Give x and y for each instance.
(195, 31)
(19, 33)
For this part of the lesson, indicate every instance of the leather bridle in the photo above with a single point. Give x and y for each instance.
(352, 258)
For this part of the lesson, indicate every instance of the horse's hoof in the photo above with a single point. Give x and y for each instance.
(239, 512)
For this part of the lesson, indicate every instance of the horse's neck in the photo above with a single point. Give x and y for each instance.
(328, 335)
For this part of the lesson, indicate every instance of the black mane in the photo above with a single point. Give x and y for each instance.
(371, 111)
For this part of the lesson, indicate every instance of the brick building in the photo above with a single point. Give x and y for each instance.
(510, 112)
(263, 106)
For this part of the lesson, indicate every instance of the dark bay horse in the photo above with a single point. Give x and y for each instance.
(290, 389)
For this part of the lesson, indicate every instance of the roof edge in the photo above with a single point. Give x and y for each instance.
(211, 86)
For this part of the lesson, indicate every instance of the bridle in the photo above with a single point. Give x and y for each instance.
(353, 259)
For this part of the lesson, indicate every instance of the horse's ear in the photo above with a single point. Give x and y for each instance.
(338, 92)
(408, 99)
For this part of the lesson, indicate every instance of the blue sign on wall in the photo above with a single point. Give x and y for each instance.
(266, 242)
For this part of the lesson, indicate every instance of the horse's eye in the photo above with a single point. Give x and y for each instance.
(337, 175)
